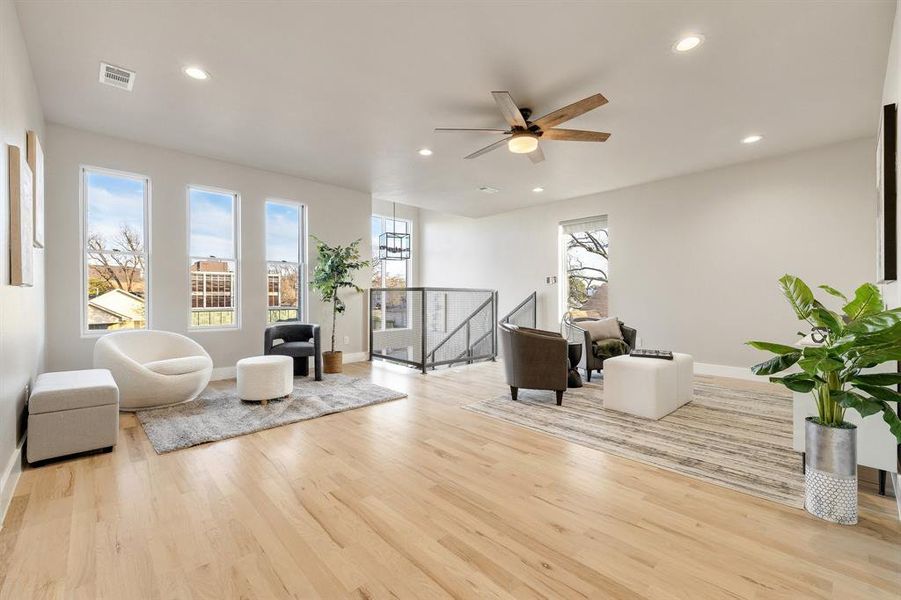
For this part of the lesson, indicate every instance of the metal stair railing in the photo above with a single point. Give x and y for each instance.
(401, 321)
(467, 323)
(521, 307)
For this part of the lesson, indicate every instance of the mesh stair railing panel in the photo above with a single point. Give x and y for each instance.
(429, 327)
(525, 314)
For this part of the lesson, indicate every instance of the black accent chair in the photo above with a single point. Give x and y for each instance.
(300, 341)
(577, 334)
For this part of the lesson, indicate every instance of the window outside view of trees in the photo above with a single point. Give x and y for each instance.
(284, 260)
(585, 261)
(213, 257)
(391, 310)
(115, 206)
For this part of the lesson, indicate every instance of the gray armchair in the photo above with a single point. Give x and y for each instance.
(299, 341)
(534, 359)
(594, 359)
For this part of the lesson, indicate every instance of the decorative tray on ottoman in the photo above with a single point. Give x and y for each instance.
(645, 353)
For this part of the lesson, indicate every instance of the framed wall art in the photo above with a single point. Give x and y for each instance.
(21, 222)
(887, 196)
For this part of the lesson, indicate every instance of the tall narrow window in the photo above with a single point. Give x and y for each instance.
(213, 261)
(116, 208)
(284, 260)
(585, 247)
(391, 307)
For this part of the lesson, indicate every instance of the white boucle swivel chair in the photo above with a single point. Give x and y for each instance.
(153, 368)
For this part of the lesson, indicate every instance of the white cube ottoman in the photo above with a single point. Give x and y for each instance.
(264, 378)
(70, 412)
(647, 387)
(685, 377)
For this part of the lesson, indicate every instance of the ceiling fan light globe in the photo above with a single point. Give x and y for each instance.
(523, 144)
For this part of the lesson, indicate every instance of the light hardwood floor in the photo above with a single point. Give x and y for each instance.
(418, 499)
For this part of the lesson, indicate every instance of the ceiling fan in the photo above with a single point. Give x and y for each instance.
(524, 134)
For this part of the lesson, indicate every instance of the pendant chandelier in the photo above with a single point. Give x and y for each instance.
(394, 246)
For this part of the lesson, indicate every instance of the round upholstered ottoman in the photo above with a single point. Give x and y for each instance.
(264, 378)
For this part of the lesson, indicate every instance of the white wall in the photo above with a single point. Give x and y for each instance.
(21, 309)
(335, 214)
(694, 259)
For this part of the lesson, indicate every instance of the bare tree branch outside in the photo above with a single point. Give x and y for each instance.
(586, 265)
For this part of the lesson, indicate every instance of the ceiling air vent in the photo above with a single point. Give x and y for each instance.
(488, 189)
(117, 76)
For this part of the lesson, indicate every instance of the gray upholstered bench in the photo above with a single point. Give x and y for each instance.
(72, 411)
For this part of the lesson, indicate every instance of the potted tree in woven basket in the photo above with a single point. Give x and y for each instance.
(335, 270)
(835, 366)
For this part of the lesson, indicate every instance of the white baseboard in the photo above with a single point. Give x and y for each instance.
(221, 373)
(352, 357)
(9, 478)
(727, 371)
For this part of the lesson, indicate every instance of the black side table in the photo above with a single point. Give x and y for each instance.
(574, 380)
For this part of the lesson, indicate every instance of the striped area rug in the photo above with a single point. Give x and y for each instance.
(735, 438)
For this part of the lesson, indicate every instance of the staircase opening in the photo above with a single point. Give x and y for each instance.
(441, 326)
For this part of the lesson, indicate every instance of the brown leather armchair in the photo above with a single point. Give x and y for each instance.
(534, 359)
(577, 335)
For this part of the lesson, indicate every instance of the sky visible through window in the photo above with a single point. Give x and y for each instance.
(212, 224)
(282, 232)
(113, 203)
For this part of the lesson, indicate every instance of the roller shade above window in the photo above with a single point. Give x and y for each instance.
(586, 224)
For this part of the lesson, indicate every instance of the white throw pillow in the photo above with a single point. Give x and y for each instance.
(602, 329)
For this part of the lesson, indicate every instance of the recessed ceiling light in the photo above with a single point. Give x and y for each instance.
(425, 152)
(538, 189)
(752, 139)
(196, 73)
(689, 42)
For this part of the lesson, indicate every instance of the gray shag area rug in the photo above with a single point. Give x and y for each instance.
(735, 438)
(218, 414)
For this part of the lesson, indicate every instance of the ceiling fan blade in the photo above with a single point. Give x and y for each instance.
(471, 129)
(486, 149)
(536, 155)
(509, 109)
(574, 135)
(570, 112)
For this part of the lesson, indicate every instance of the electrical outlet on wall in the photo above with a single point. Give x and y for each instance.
(550, 280)
(346, 340)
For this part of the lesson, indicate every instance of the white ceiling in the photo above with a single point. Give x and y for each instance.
(347, 93)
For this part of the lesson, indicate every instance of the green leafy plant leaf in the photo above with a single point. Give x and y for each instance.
(796, 382)
(798, 294)
(864, 406)
(877, 378)
(772, 347)
(776, 364)
(833, 292)
(881, 393)
(894, 423)
(881, 321)
(867, 301)
(824, 317)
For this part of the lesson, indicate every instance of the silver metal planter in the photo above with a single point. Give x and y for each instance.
(830, 477)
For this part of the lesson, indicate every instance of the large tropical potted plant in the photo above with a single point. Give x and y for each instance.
(335, 270)
(835, 365)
